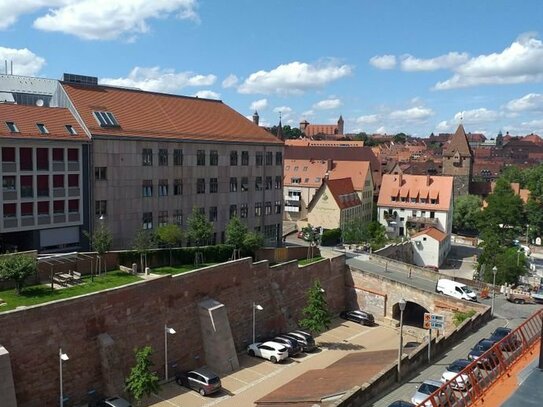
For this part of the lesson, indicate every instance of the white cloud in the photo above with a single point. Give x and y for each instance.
(229, 81)
(367, 119)
(443, 127)
(381, 130)
(160, 80)
(327, 104)
(529, 102)
(294, 78)
(11, 10)
(308, 113)
(104, 19)
(476, 116)
(25, 62)
(284, 110)
(383, 61)
(521, 62)
(447, 61)
(260, 104)
(207, 94)
(414, 114)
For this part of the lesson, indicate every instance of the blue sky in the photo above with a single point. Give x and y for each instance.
(386, 66)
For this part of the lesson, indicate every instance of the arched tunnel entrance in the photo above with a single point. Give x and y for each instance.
(413, 314)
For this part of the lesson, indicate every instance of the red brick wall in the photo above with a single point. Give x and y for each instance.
(134, 316)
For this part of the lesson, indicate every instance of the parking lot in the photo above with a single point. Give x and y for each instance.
(258, 377)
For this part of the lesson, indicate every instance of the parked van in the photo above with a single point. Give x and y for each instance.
(455, 289)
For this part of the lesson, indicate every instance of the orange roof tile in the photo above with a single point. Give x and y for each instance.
(343, 192)
(433, 233)
(157, 115)
(304, 142)
(26, 118)
(356, 171)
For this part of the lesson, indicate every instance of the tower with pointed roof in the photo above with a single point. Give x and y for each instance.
(458, 161)
(280, 135)
(256, 118)
(340, 124)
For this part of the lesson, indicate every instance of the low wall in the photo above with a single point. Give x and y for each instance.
(398, 251)
(284, 254)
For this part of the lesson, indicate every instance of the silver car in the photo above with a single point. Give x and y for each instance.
(428, 387)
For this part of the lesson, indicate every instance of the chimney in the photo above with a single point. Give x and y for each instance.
(330, 164)
(400, 179)
(428, 180)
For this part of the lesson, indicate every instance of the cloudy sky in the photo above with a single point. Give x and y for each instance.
(387, 66)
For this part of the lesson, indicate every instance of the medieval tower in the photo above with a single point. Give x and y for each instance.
(458, 161)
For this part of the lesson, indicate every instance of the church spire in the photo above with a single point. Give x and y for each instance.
(280, 135)
(256, 118)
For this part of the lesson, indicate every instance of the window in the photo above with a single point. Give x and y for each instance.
(42, 182)
(163, 187)
(43, 208)
(73, 155)
(12, 127)
(42, 159)
(73, 180)
(214, 157)
(244, 184)
(100, 173)
(296, 168)
(278, 158)
(162, 218)
(433, 201)
(177, 157)
(233, 184)
(178, 217)
(147, 157)
(101, 208)
(244, 158)
(304, 169)
(71, 129)
(106, 119)
(233, 211)
(8, 183)
(200, 186)
(269, 158)
(163, 157)
(233, 158)
(8, 154)
(296, 180)
(278, 182)
(10, 210)
(200, 157)
(27, 208)
(73, 205)
(212, 213)
(58, 207)
(258, 209)
(269, 183)
(178, 187)
(42, 129)
(268, 208)
(147, 188)
(244, 211)
(432, 214)
(25, 159)
(27, 190)
(258, 184)
(213, 185)
(147, 220)
(259, 158)
(277, 207)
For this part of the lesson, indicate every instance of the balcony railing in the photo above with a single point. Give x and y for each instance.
(292, 198)
(418, 219)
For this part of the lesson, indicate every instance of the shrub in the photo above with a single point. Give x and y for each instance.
(331, 237)
(461, 316)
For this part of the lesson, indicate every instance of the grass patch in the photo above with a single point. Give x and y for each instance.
(179, 269)
(460, 316)
(39, 294)
(309, 261)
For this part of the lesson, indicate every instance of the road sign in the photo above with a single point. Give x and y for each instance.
(433, 321)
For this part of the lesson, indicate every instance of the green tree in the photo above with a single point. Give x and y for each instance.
(253, 241)
(170, 235)
(200, 230)
(534, 217)
(311, 235)
(143, 242)
(467, 209)
(100, 241)
(510, 264)
(142, 381)
(377, 234)
(400, 138)
(17, 267)
(355, 231)
(236, 231)
(317, 317)
(513, 174)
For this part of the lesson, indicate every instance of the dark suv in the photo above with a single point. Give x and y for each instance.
(358, 316)
(292, 345)
(511, 341)
(306, 341)
(203, 380)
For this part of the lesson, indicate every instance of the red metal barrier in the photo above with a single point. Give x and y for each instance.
(474, 381)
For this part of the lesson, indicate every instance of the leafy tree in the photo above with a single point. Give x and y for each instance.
(253, 241)
(200, 230)
(171, 236)
(143, 242)
(288, 132)
(17, 267)
(467, 209)
(513, 174)
(377, 234)
(236, 231)
(312, 235)
(510, 264)
(355, 231)
(316, 313)
(400, 138)
(100, 241)
(534, 217)
(142, 382)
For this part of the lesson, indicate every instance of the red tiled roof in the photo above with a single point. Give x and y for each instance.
(458, 142)
(26, 117)
(343, 192)
(433, 233)
(157, 115)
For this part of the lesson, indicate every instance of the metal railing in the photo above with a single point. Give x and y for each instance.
(472, 383)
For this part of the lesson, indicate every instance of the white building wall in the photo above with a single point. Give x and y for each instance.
(426, 251)
(444, 219)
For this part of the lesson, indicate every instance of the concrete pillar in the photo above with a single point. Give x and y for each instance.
(219, 348)
(7, 387)
(112, 373)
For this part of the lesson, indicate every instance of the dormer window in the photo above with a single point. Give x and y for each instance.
(12, 127)
(71, 129)
(106, 119)
(42, 128)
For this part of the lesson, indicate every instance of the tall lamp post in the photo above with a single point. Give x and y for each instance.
(255, 307)
(167, 331)
(494, 271)
(402, 305)
(61, 358)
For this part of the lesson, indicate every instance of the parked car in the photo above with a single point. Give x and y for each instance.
(428, 387)
(511, 341)
(486, 361)
(358, 316)
(520, 298)
(203, 380)
(273, 351)
(306, 341)
(292, 345)
(113, 402)
(401, 403)
(462, 381)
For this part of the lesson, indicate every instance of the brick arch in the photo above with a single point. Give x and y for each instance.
(412, 315)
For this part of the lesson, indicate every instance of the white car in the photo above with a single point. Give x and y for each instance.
(462, 381)
(273, 351)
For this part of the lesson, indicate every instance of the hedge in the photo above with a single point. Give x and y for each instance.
(331, 237)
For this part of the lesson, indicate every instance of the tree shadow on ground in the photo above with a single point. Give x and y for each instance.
(341, 346)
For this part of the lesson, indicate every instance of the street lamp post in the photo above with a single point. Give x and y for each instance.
(402, 305)
(61, 357)
(494, 271)
(167, 331)
(255, 307)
